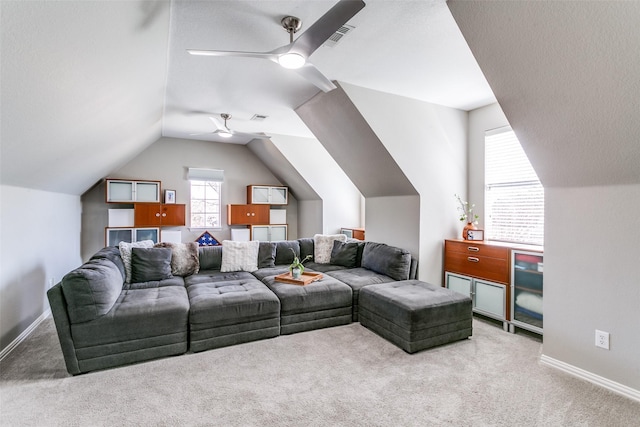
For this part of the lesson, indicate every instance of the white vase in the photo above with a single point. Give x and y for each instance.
(295, 273)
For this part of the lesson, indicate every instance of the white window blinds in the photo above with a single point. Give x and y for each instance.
(514, 196)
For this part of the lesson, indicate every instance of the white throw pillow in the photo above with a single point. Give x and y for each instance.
(239, 256)
(125, 253)
(322, 246)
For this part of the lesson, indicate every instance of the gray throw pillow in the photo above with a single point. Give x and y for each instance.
(344, 254)
(284, 256)
(266, 255)
(388, 260)
(210, 257)
(150, 264)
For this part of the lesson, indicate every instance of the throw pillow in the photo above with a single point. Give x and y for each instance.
(210, 257)
(184, 257)
(266, 255)
(286, 250)
(150, 264)
(344, 254)
(125, 253)
(239, 256)
(323, 245)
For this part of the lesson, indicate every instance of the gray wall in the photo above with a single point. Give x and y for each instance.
(589, 273)
(39, 244)
(167, 160)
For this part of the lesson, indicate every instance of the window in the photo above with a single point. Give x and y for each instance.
(205, 204)
(514, 196)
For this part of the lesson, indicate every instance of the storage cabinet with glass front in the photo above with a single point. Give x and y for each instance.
(526, 290)
(130, 191)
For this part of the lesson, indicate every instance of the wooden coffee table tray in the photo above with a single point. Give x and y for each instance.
(305, 278)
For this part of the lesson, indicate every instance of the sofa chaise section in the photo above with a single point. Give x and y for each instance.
(102, 325)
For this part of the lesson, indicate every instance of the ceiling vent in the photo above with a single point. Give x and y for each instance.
(338, 35)
(258, 117)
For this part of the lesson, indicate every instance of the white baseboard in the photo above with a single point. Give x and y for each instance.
(592, 378)
(23, 336)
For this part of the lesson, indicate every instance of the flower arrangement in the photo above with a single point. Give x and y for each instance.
(466, 211)
(297, 264)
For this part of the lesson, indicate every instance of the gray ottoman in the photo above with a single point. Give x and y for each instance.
(415, 315)
(320, 304)
(228, 313)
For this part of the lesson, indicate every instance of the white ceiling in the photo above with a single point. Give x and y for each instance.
(408, 48)
(86, 86)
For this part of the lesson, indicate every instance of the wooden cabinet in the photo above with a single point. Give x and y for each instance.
(480, 270)
(354, 233)
(161, 215)
(267, 195)
(268, 233)
(132, 191)
(247, 214)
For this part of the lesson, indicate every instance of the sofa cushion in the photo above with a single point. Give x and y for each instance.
(283, 251)
(323, 245)
(266, 255)
(112, 253)
(184, 257)
(344, 254)
(137, 315)
(306, 248)
(91, 290)
(210, 257)
(388, 260)
(125, 253)
(149, 264)
(212, 276)
(239, 256)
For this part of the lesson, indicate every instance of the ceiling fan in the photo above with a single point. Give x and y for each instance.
(295, 54)
(225, 132)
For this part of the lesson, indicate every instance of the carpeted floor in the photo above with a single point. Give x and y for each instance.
(342, 376)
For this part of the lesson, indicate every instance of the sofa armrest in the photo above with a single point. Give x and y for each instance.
(63, 327)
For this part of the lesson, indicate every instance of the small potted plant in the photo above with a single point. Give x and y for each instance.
(296, 268)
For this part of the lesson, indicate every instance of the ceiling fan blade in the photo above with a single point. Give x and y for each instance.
(206, 133)
(218, 125)
(323, 28)
(262, 55)
(251, 135)
(313, 75)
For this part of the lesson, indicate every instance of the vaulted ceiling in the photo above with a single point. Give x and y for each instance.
(86, 86)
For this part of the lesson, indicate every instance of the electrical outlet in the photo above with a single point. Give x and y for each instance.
(602, 339)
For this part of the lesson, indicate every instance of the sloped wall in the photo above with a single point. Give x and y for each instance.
(407, 157)
(340, 199)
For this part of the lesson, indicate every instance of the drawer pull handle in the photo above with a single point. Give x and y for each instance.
(472, 259)
(473, 249)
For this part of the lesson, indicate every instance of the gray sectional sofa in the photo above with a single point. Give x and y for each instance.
(103, 321)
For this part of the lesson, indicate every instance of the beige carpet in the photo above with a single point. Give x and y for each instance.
(342, 376)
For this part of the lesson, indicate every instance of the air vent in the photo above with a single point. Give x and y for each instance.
(258, 117)
(338, 35)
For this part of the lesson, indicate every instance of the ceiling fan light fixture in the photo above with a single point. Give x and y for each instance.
(291, 60)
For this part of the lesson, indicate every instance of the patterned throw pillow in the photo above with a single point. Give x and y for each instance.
(239, 256)
(125, 253)
(184, 257)
(323, 245)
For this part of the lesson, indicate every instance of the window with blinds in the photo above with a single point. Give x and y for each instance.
(514, 196)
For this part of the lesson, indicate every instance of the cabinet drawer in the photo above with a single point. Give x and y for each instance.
(484, 267)
(476, 249)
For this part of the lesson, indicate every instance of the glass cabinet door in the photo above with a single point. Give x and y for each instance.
(147, 192)
(119, 191)
(278, 196)
(260, 194)
(489, 298)
(278, 232)
(260, 233)
(460, 284)
(527, 289)
(117, 235)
